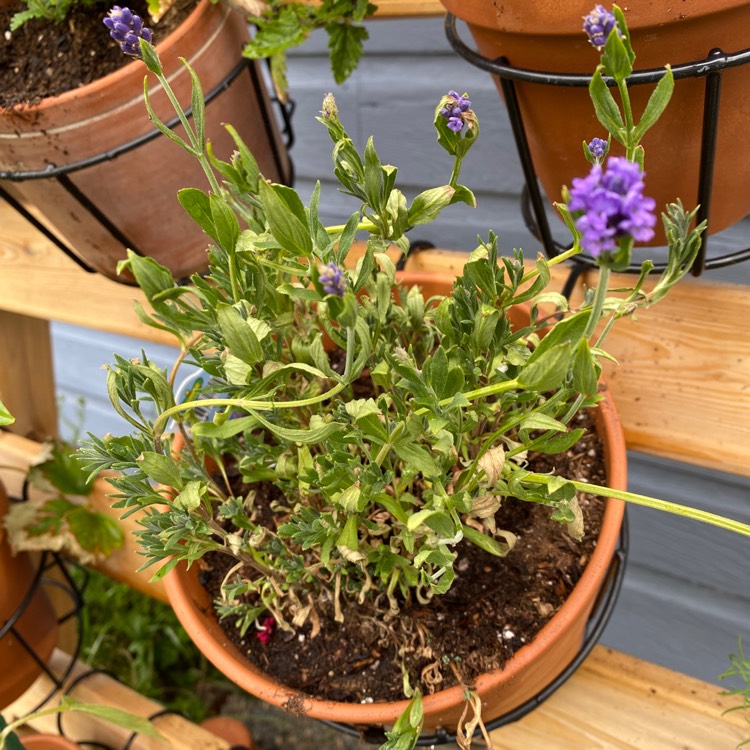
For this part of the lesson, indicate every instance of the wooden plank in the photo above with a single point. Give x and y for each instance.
(408, 8)
(615, 701)
(177, 732)
(681, 388)
(39, 280)
(387, 9)
(27, 383)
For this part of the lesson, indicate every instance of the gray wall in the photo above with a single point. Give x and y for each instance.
(686, 596)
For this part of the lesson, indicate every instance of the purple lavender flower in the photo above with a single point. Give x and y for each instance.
(597, 148)
(454, 109)
(613, 206)
(126, 28)
(333, 280)
(598, 24)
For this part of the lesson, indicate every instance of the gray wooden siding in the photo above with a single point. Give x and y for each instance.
(686, 596)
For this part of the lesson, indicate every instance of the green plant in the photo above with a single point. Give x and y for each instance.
(9, 741)
(372, 493)
(282, 25)
(139, 641)
(739, 672)
(58, 513)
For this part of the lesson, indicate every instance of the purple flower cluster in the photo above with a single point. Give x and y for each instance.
(333, 280)
(613, 206)
(454, 110)
(598, 24)
(597, 147)
(126, 28)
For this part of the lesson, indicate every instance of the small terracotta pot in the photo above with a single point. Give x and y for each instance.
(136, 192)
(531, 669)
(36, 624)
(48, 742)
(547, 36)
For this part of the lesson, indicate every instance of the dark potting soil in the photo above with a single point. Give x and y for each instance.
(44, 59)
(495, 606)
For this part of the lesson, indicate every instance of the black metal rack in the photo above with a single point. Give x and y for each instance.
(51, 572)
(533, 202)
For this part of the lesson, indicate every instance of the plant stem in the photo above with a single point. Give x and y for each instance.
(600, 295)
(651, 502)
(242, 403)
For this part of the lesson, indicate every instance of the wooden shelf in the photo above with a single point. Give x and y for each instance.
(681, 387)
(177, 733)
(613, 702)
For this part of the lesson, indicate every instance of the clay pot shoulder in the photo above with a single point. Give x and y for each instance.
(543, 36)
(109, 194)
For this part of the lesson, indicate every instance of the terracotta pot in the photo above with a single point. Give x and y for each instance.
(547, 36)
(136, 191)
(48, 742)
(531, 669)
(36, 624)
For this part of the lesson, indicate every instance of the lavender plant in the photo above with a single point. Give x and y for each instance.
(374, 492)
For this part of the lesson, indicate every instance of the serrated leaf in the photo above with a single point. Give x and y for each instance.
(96, 532)
(63, 471)
(345, 45)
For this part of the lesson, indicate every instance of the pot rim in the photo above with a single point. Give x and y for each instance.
(131, 70)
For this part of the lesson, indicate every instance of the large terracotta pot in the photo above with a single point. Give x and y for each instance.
(134, 194)
(34, 620)
(547, 36)
(531, 669)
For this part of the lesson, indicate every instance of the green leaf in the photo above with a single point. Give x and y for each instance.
(605, 107)
(549, 371)
(63, 471)
(488, 543)
(316, 433)
(96, 532)
(558, 443)
(113, 715)
(160, 468)
(407, 727)
(426, 207)
(542, 422)
(198, 206)
(239, 334)
(226, 227)
(151, 277)
(223, 431)
(191, 496)
(345, 44)
(616, 60)
(6, 417)
(286, 217)
(348, 542)
(585, 369)
(417, 458)
(657, 103)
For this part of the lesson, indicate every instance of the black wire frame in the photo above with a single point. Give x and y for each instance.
(533, 202)
(597, 622)
(48, 562)
(282, 162)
